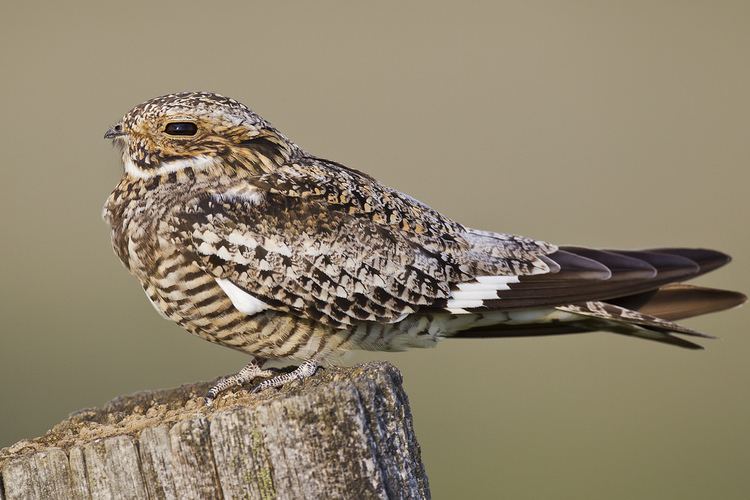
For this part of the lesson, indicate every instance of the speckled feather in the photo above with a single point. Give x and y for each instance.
(334, 264)
(329, 258)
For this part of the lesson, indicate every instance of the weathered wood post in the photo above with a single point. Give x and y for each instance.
(344, 433)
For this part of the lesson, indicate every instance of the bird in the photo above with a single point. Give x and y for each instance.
(243, 238)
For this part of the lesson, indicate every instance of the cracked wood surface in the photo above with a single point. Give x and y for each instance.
(344, 433)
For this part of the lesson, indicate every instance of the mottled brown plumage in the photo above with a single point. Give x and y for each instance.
(244, 239)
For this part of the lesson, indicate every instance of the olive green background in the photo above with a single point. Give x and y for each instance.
(610, 124)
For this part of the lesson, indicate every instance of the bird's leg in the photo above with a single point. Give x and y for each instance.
(251, 371)
(306, 369)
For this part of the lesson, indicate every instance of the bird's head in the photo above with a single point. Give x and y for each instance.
(196, 130)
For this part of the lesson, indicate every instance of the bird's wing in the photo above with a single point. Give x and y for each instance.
(583, 275)
(342, 189)
(338, 253)
(500, 271)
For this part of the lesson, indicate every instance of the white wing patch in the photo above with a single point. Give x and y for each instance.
(498, 280)
(483, 288)
(473, 293)
(242, 301)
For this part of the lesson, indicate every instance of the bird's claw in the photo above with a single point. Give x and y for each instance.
(303, 371)
(250, 372)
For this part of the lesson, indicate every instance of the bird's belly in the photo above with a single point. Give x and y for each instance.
(182, 292)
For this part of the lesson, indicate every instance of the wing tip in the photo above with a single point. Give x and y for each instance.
(706, 258)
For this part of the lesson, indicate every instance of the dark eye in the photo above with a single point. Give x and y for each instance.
(181, 128)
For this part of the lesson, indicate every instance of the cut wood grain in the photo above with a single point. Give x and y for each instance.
(344, 433)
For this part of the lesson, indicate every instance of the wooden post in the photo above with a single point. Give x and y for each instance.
(344, 433)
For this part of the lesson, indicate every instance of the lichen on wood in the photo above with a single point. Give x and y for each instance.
(344, 433)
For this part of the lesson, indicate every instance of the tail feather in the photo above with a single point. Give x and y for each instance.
(647, 315)
(657, 336)
(680, 301)
(621, 316)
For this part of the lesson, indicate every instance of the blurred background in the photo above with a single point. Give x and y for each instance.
(609, 124)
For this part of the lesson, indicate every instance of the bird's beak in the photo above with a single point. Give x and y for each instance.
(114, 132)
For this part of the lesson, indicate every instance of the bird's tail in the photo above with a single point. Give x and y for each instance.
(649, 315)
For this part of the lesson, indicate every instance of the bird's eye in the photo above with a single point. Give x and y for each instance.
(181, 128)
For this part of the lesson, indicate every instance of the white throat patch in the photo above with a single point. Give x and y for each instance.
(198, 163)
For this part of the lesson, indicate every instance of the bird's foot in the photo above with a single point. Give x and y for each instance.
(250, 372)
(306, 369)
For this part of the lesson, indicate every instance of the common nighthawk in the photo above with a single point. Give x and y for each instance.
(243, 238)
